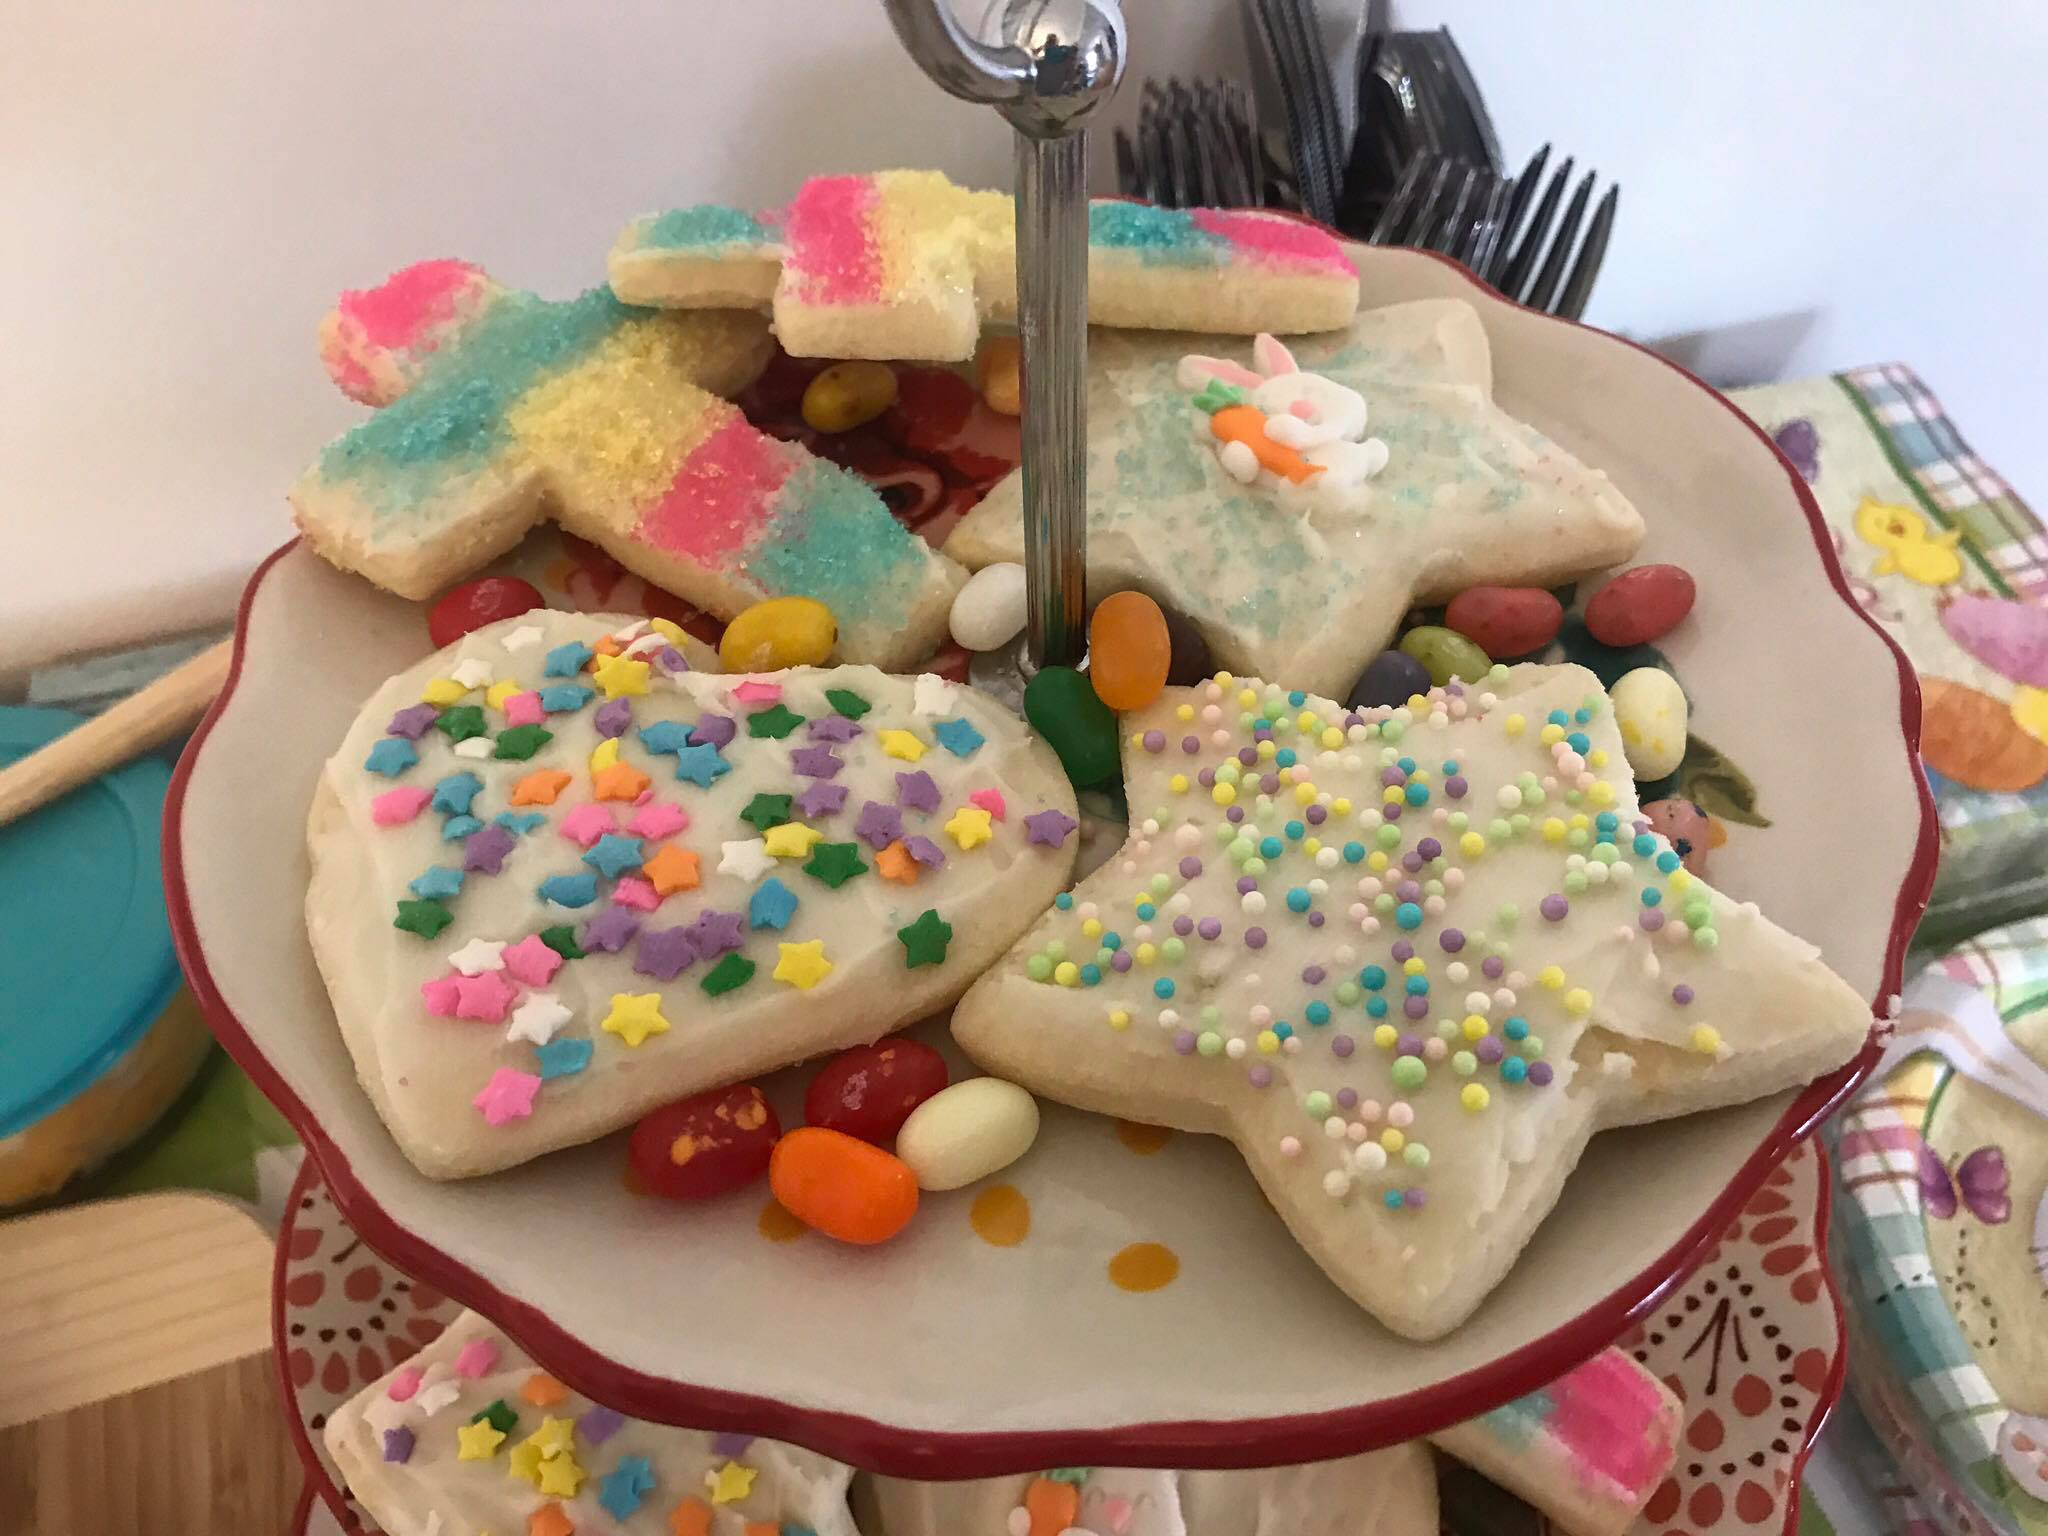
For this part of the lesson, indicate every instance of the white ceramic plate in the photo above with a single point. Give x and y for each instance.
(940, 1355)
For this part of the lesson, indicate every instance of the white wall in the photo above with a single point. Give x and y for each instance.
(184, 187)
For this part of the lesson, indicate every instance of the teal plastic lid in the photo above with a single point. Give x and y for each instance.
(85, 949)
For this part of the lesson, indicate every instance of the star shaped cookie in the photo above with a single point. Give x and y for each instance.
(1409, 961)
(1303, 571)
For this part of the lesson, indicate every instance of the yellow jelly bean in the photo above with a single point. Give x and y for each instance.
(847, 395)
(1000, 372)
(781, 632)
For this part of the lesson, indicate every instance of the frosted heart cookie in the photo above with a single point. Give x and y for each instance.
(470, 1435)
(1408, 960)
(500, 409)
(1294, 502)
(560, 877)
(903, 264)
(1382, 1493)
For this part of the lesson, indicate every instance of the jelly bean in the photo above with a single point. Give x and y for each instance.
(999, 371)
(1445, 654)
(1191, 660)
(848, 395)
(1062, 707)
(781, 632)
(988, 612)
(967, 1132)
(1129, 650)
(1640, 605)
(1650, 711)
(1692, 833)
(1392, 677)
(1506, 621)
(704, 1145)
(476, 603)
(842, 1187)
(869, 1091)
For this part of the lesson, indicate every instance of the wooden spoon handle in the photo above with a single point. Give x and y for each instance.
(143, 720)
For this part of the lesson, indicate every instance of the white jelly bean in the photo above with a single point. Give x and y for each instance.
(1651, 713)
(967, 1132)
(988, 612)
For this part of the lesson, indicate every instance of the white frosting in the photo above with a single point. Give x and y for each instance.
(425, 1071)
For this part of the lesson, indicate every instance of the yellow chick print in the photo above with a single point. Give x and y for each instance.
(1909, 551)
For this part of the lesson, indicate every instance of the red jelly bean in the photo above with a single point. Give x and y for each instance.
(705, 1145)
(869, 1091)
(477, 603)
(1641, 605)
(842, 1187)
(1506, 621)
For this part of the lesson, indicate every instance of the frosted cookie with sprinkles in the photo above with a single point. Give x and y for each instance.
(500, 409)
(1294, 501)
(561, 876)
(1409, 960)
(470, 1435)
(904, 264)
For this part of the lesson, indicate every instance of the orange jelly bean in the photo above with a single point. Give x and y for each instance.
(1129, 650)
(842, 1187)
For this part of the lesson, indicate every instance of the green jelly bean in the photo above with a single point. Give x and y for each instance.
(1062, 706)
(1445, 654)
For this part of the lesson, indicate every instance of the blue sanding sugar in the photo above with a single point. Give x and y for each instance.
(834, 540)
(707, 225)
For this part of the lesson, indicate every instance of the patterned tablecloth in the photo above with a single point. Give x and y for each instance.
(1941, 1214)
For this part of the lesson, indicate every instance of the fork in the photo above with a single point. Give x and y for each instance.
(1500, 227)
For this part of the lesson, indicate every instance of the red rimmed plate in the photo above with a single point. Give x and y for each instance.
(943, 1356)
(1752, 1343)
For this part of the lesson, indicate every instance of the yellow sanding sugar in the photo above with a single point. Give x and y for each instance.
(612, 431)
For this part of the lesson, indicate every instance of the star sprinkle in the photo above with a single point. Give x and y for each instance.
(425, 918)
(437, 1395)
(664, 953)
(521, 742)
(733, 971)
(1406, 929)
(765, 811)
(472, 672)
(529, 708)
(438, 883)
(478, 956)
(478, 1441)
(484, 852)
(895, 863)
(569, 890)
(746, 857)
(555, 1437)
(730, 1483)
(664, 737)
(658, 819)
(461, 724)
(992, 801)
(931, 694)
(612, 855)
(701, 765)
(917, 791)
(621, 781)
(772, 905)
(520, 822)
(714, 730)
(1308, 584)
(600, 1424)
(757, 690)
(773, 724)
(613, 718)
(969, 826)
(541, 787)
(454, 794)
(924, 941)
(621, 676)
(714, 932)
(832, 728)
(507, 1096)
(959, 737)
(550, 1520)
(625, 1487)
(672, 869)
(847, 702)
(561, 1476)
(610, 931)
(562, 1058)
(634, 1016)
(568, 659)
(541, 1390)
(391, 756)
(803, 965)
(538, 1017)
(398, 1444)
(478, 1358)
(585, 824)
(691, 1517)
(1050, 828)
(820, 799)
(443, 691)
(530, 962)
(899, 743)
(562, 940)
(878, 825)
(475, 748)
(561, 699)
(925, 851)
(412, 722)
(816, 762)
(835, 863)
(791, 840)
(500, 693)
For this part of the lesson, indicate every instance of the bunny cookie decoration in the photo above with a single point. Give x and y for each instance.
(1277, 422)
